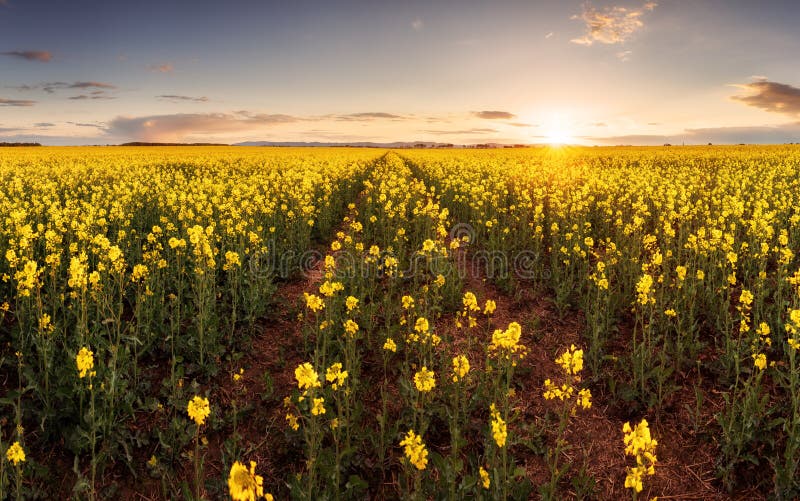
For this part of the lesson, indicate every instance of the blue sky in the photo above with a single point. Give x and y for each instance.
(618, 72)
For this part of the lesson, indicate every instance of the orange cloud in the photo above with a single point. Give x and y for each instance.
(612, 25)
(494, 115)
(161, 68)
(16, 102)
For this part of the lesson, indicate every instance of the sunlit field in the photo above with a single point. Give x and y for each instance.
(337, 323)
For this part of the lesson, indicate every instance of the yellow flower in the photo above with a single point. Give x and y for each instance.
(306, 377)
(313, 302)
(571, 360)
(424, 380)
(585, 398)
(460, 367)
(292, 421)
(335, 375)
(231, 260)
(390, 345)
(351, 303)
(639, 444)
(414, 449)
(15, 454)
(317, 408)
(421, 325)
(644, 290)
(350, 327)
(198, 409)
(499, 428)
(485, 480)
(408, 302)
(490, 307)
(244, 484)
(428, 245)
(470, 302)
(506, 343)
(746, 298)
(85, 362)
(760, 360)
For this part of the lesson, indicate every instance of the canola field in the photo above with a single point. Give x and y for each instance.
(281, 323)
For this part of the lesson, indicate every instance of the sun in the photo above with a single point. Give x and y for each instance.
(557, 132)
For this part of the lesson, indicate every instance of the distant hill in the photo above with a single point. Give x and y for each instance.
(15, 145)
(138, 143)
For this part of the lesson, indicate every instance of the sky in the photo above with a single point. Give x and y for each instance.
(451, 71)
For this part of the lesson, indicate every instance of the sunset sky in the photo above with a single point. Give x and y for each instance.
(455, 71)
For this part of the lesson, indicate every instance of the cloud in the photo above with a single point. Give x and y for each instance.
(44, 125)
(175, 98)
(612, 25)
(161, 68)
(157, 128)
(16, 102)
(785, 133)
(520, 124)
(417, 24)
(771, 96)
(598, 124)
(96, 126)
(368, 116)
(494, 115)
(42, 56)
(624, 55)
(549, 34)
(98, 94)
(52, 87)
(455, 132)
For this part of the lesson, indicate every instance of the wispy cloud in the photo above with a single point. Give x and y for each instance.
(161, 68)
(16, 102)
(368, 116)
(549, 34)
(178, 126)
(175, 98)
(624, 55)
(80, 124)
(42, 56)
(611, 25)
(44, 125)
(494, 115)
(771, 96)
(95, 95)
(417, 24)
(520, 124)
(52, 87)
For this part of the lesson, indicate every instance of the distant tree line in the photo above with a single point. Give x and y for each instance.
(10, 145)
(139, 143)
